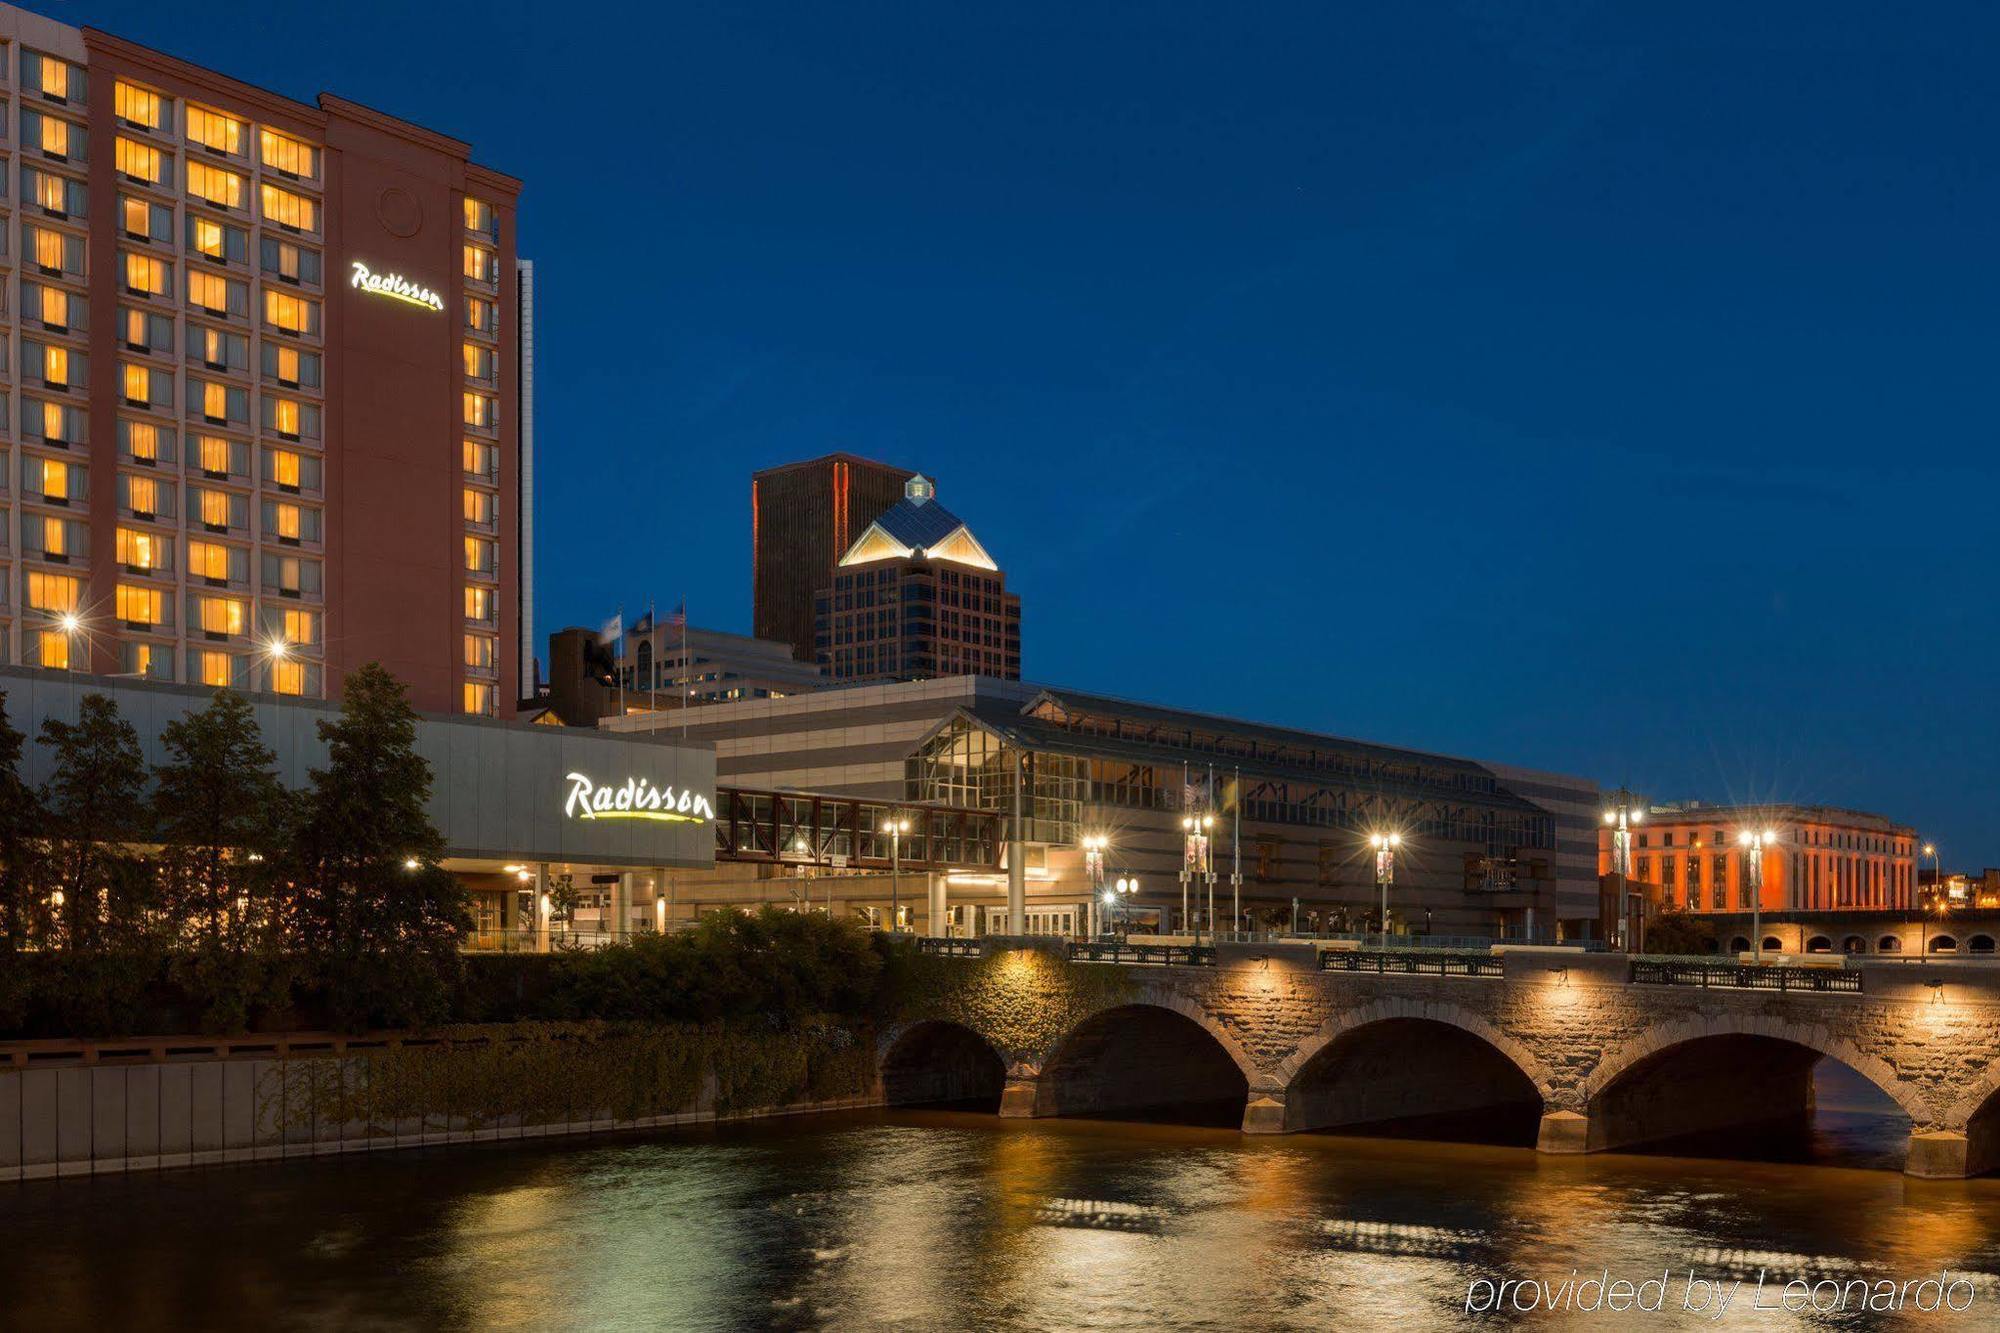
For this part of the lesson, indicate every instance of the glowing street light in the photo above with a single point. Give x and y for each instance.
(71, 625)
(1937, 871)
(1126, 888)
(1756, 841)
(1385, 845)
(1093, 867)
(895, 827)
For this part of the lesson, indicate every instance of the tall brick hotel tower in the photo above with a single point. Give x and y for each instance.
(268, 409)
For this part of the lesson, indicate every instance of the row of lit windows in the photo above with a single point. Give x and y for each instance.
(138, 604)
(215, 131)
(52, 648)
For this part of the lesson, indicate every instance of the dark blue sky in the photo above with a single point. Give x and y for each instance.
(1602, 387)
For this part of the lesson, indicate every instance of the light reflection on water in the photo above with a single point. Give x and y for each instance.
(947, 1220)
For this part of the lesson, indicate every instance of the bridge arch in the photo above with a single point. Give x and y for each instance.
(1159, 1056)
(1425, 1064)
(1723, 1072)
(935, 1061)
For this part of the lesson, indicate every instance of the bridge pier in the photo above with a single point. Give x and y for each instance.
(1264, 1113)
(1563, 1132)
(1942, 1154)
(1019, 1094)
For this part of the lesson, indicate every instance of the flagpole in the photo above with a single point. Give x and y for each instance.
(687, 674)
(1236, 851)
(653, 668)
(1208, 857)
(1187, 842)
(619, 649)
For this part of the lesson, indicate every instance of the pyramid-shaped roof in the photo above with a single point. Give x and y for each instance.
(917, 525)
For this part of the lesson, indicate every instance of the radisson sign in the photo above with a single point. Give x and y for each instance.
(394, 286)
(635, 798)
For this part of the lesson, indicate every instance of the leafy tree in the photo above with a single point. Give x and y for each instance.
(96, 811)
(23, 913)
(372, 906)
(1677, 931)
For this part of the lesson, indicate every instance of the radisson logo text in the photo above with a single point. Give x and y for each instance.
(395, 286)
(635, 799)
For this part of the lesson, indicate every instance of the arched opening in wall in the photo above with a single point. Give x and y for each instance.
(944, 1065)
(1819, 944)
(1772, 944)
(1750, 1097)
(1739, 945)
(1142, 1062)
(1854, 944)
(1889, 944)
(1982, 1138)
(1980, 944)
(1943, 944)
(1415, 1078)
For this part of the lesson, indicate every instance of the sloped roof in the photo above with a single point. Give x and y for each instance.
(915, 526)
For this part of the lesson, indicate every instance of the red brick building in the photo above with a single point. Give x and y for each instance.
(1817, 858)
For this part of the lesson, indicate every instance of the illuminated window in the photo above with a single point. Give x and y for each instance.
(482, 460)
(215, 348)
(479, 217)
(220, 615)
(208, 237)
(290, 210)
(208, 560)
(138, 385)
(51, 76)
(54, 593)
(53, 422)
(481, 316)
(481, 555)
(55, 367)
(214, 455)
(284, 415)
(288, 365)
(478, 507)
(288, 677)
(52, 193)
(55, 537)
(142, 495)
(289, 155)
(479, 604)
(293, 314)
(55, 479)
(135, 105)
(215, 509)
(222, 188)
(285, 520)
(481, 411)
(138, 160)
(301, 627)
(215, 402)
(479, 652)
(55, 307)
(479, 697)
(54, 136)
(208, 291)
(481, 265)
(139, 550)
(146, 275)
(49, 249)
(54, 649)
(214, 668)
(143, 441)
(212, 129)
(284, 467)
(140, 606)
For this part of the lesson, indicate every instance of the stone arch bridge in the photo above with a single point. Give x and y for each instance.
(1583, 1056)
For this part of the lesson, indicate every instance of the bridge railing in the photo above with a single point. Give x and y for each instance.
(1726, 976)
(1163, 955)
(1431, 962)
(952, 948)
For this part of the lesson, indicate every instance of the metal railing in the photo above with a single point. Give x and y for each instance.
(1163, 955)
(1724, 976)
(1432, 962)
(952, 948)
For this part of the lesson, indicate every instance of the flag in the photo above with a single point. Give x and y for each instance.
(679, 619)
(612, 634)
(644, 624)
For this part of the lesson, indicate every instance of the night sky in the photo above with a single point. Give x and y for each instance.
(1600, 387)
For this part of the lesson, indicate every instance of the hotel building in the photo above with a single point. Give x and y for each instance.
(265, 384)
(1822, 858)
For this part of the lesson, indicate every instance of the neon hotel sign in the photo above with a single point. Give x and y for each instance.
(636, 798)
(395, 286)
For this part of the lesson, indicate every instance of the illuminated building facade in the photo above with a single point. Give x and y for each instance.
(1823, 858)
(803, 518)
(917, 596)
(266, 399)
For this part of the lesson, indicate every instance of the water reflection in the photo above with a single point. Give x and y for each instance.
(942, 1219)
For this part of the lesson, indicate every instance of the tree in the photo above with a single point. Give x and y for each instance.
(23, 912)
(218, 811)
(1677, 931)
(96, 811)
(372, 906)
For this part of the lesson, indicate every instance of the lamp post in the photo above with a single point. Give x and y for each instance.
(1924, 929)
(1385, 845)
(1625, 811)
(1093, 868)
(1127, 887)
(1195, 863)
(895, 827)
(1937, 871)
(1755, 842)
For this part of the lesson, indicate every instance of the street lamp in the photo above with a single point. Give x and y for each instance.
(1195, 862)
(1127, 887)
(1625, 811)
(1385, 845)
(1093, 867)
(1756, 841)
(1937, 871)
(895, 827)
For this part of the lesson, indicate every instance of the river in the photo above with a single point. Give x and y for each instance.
(942, 1219)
